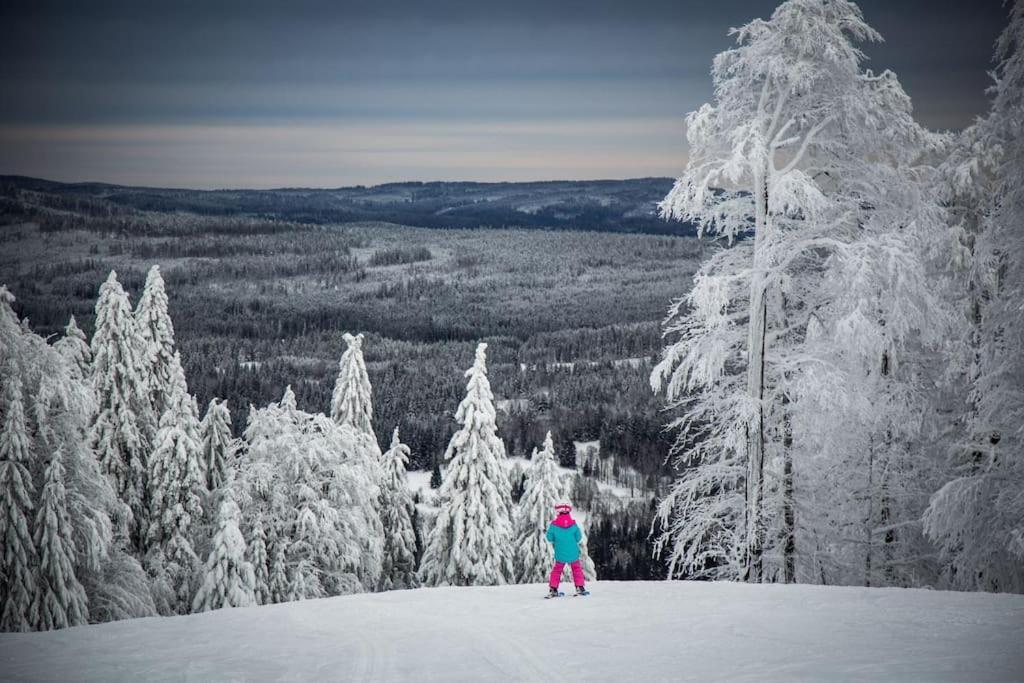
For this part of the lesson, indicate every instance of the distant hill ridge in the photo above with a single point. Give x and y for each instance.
(628, 206)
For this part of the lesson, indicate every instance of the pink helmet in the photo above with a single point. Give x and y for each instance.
(563, 508)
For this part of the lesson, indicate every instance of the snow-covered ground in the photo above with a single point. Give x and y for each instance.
(641, 631)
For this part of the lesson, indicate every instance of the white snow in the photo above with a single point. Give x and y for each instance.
(637, 631)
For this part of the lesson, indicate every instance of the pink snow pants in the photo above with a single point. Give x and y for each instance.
(577, 574)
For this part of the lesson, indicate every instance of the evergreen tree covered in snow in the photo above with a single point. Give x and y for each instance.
(260, 562)
(316, 488)
(471, 540)
(19, 569)
(75, 347)
(352, 402)
(156, 334)
(58, 407)
(977, 517)
(176, 490)
(123, 428)
(397, 508)
(61, 600)
(229, 580)
(218, 446)
(544, 489)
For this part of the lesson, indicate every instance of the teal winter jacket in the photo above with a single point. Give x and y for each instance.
(565, 535)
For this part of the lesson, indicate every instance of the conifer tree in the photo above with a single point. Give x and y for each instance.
(260, 562)
(471, 540)
(176, 488)
(229, 580)
(123, 429)
(75, 347)
(218, 446)
(61, 600)
(544, 489)
(19, 579)
(352, 402)
(156, 334)
(399, 568)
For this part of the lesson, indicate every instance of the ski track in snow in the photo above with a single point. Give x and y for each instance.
(650, 631)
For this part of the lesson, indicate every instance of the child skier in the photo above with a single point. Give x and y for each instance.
(565, 535)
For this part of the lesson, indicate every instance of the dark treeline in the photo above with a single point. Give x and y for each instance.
(603, 205)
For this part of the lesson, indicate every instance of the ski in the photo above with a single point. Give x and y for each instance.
(580, 594)
(560, 595)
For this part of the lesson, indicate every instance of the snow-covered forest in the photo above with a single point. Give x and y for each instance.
(848, 369)
(844, 381)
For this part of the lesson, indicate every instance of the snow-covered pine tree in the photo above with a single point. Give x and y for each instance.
(75, 347)
(124, 425)
(352, 401)
(176, 488)
(59, 408)
(544, 489)
(156, 333)
(470, 542)
(397, 508)
(218, 446)
(229, 579)
(796, 128)
(260, 562)
(977, 517)
(61, 599)
(19, 576)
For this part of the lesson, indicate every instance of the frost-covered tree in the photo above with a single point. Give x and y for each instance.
(260, 562)
(352, 402)
(218, 446)
(397, 508)
(61, 600)
(788, 167)
(58, 407)
(75, 347)
(124, 427)
(19, 578)
(544, 489)
(176, 488)
(156, 336)
(471, 540)
(229, 579)
(316, 488)
(977, 517)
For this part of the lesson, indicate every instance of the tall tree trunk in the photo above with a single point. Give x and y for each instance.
(788, 506)
(755, 387)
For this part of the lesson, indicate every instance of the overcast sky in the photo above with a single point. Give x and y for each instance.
(324, 94)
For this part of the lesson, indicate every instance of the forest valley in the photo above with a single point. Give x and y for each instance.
(841, 369)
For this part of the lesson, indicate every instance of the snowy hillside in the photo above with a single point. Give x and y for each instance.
(624, 631)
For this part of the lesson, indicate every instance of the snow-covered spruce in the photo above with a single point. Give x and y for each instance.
(217, 445)
(75, 347)
(471, 540)
(156, 335)
(19, 570)
(397, 509)
(124, 426)
(316, 489)
(61, 599)
(352, 401)
(58, 406)
(228, 580)
(543, 490)
(258, 558)
(176, 488)
(798, 136)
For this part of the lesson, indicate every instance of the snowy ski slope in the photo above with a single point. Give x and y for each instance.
(639, 631)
